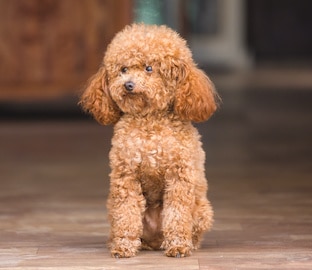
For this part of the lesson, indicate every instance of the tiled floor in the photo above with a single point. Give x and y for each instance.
(54, 183)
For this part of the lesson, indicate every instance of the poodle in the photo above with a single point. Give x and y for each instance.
(150, 89)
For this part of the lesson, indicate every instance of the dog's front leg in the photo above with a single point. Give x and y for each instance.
(126, 205)
(177, 216)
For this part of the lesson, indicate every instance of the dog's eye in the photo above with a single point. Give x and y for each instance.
(124, 70)
(149, 69)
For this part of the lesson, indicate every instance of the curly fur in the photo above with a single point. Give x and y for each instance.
(158, 187)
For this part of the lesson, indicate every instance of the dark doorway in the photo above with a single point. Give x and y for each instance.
(280, 30)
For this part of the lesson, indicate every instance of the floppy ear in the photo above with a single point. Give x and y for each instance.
(195, 98)
(97, 100)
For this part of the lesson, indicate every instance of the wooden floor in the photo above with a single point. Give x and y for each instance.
(54, 183)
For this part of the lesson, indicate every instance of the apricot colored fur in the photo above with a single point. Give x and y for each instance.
(158, 187)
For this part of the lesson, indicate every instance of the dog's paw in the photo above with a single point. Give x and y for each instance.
(178, 251)
(177, 247)
(118, 254)
(124, 248)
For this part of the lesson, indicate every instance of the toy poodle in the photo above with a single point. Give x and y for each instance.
(149, 87)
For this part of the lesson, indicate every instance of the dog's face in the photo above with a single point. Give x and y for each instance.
(139, 88)
(139, 66)
(148, 70)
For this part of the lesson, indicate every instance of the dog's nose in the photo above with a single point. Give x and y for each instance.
(129, 85)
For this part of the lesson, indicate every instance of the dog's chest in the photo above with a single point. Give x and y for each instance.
(150, 146)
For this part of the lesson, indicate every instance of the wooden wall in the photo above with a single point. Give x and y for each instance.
(50, 47)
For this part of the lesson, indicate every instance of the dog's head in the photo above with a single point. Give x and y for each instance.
(147, 70)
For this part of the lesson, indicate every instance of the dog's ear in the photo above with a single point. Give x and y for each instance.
(97, 101)
(196, 98)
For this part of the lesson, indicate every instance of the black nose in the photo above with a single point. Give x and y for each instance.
(129, 85)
